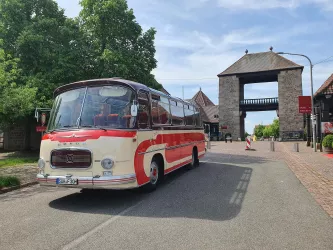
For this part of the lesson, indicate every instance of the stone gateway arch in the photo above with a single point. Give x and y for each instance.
(256, 68)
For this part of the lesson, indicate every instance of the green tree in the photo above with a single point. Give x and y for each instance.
(51, 48)
(259, 131)
(275, 128)
(121, 48)
(16, 101)
(267, 132)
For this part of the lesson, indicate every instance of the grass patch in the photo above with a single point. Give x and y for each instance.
(13, 161)
(9, 181)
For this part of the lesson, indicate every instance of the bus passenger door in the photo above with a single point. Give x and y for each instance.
(145, 132)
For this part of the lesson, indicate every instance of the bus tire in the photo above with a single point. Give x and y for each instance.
(195, 160)
(155, 175)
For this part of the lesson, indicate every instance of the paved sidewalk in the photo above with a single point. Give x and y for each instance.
(314, 170)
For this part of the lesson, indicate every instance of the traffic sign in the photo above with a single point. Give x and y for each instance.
(40, 128)
(304, 104)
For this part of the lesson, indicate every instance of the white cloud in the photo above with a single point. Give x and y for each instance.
(256, 4)
(240, 5)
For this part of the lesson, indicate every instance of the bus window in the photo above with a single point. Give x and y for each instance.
(164, 110)
(155, 112)
(189, 115)
(143, 112)
(177, 112)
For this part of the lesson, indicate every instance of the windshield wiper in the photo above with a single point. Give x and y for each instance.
(90, 126)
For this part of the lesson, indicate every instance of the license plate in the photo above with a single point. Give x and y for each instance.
(67, 181)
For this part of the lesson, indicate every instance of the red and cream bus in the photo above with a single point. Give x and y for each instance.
(117, 134)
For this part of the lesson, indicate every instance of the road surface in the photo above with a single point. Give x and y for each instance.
(229, 202)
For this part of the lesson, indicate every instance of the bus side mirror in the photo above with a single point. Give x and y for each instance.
(134, 110)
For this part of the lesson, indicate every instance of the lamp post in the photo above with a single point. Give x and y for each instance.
(312, 100)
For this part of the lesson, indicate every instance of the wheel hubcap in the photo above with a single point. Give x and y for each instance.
(153, 173)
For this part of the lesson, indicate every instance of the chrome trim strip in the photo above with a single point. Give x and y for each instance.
(88, 181)
(178, 167)
(142, 153)
(172, 147)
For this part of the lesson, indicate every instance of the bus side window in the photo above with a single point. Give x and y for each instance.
(143, 112)
(155, 112)
(189, 115)
(164, 111)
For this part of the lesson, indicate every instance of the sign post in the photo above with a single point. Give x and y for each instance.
(42, 127)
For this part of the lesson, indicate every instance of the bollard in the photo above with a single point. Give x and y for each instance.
(296, 147)
(248, 144)
(208, 144)
(272, 146)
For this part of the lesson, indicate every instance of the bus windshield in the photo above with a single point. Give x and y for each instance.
(93, 107)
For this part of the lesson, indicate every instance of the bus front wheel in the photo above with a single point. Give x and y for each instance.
(154, 176)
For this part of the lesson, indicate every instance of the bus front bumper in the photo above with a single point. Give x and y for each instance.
(110, 182)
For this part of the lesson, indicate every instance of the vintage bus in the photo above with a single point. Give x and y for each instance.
(117, 134)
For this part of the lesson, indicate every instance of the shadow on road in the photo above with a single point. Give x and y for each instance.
(211, 192)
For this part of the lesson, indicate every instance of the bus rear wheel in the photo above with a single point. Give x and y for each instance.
(195, 159)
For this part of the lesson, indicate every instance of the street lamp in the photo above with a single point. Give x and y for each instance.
(312, 100)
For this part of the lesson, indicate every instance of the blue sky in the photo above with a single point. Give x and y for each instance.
(197, 39)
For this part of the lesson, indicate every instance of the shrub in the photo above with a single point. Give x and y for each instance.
(328, 141)
(9, 181)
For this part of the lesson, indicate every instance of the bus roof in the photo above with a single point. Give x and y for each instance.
(105, 81)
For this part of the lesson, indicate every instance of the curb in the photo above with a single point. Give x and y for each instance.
(6, 190)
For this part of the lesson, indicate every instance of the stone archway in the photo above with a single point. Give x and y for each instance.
(256, 68)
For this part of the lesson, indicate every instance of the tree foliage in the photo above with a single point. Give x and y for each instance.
(259, 131)
(268, 131)
(16, 101)
(46, 49)
(121, 47)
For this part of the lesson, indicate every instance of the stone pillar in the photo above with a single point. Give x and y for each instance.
(290, 87)
(229, 105)
(242, 126)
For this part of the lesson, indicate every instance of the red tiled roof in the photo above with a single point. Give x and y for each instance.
(323, 88)
(201, 99)
(208, 109)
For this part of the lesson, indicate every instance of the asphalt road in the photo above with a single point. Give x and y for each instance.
(236, 202)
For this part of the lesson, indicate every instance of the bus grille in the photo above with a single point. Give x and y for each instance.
(69, 158)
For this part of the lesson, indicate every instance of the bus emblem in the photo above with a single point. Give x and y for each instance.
(70, 158)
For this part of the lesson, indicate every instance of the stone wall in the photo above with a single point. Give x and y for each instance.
(14, 139)
(229, 94)
(290, 87)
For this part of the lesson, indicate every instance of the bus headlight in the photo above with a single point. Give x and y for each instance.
(41, 163)
(107, 163)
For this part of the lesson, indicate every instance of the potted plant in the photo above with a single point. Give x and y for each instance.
(328, 143)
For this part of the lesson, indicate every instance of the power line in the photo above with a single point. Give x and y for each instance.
(189, 79)
(325, 60)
